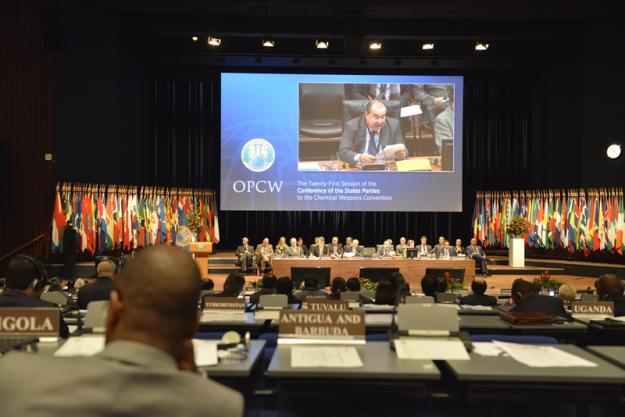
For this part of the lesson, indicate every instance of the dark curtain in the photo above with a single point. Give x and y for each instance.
(183, 138)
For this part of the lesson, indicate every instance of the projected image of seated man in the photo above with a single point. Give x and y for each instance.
(365, 138)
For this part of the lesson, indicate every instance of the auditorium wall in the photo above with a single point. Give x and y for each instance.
(103, 127)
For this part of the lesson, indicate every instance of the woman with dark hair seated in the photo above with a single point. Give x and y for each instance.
(386, 292)
(337, 287)
(284, 285)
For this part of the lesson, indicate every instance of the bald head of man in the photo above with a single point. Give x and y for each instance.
(155, 302)
(609, 286)
(106, 269)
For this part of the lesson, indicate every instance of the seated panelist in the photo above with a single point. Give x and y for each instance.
(319, 249)
(363, 137)
(264, 255)
(445, 251)
(294, 250)
(244, 255)
(335, 248)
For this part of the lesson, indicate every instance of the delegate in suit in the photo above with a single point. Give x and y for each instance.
(365, 136)
(147, 367)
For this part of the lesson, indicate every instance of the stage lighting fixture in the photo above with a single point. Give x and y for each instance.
(481, 46)
(375, 45)
(322, 43)
(269, 43)
(613, 151)
(214, 41)
(194, 38)
(428, 46)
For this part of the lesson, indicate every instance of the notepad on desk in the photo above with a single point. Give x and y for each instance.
(205, 352)
(421, 164)
(325, 357)
(541, 356)
(424, 348)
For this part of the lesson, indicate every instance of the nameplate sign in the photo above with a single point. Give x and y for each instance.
(321, 324)
(600, 308)
(328, 305)
(37, 321)
(315, 297)
(224, 303)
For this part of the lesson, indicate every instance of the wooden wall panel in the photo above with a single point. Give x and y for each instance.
(26, 129)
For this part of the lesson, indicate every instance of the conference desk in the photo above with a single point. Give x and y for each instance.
(412, 269)
(383, 383)
(426, 163)
(501, 380)
(614, 354)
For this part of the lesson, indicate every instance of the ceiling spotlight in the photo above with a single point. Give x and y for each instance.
(322, 43)
(375, 45)
(428, 46)
(214, 41)
(269, 43)
(614, 151)
(194, 38)
(481, 46)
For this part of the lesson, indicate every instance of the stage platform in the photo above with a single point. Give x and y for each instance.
(579, 274)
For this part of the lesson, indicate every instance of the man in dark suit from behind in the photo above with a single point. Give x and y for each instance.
(24, 278)
(526, 298)
(478, 298)
(101, 288)
(269, 287)
(148, 366)
(610, 288)
(311, 287)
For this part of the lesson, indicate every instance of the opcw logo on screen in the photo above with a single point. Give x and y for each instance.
(258, 155)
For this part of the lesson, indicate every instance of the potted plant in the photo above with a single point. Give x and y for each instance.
(545, 282)
(517, 229)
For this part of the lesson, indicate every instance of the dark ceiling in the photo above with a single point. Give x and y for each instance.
(514, 28)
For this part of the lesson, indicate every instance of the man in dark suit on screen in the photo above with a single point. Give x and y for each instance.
(365, 136)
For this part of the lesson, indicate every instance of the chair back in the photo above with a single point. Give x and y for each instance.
(416, 299)
(55, 297)
(273, 300)
(96, 315)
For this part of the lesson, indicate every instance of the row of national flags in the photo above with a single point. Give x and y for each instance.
(576, 220)
(119, 217)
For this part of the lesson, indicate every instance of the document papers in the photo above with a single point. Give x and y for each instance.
(81, 346)
(205, 352)
(325, 357)
(543, 356)
(413, 110)
(420, 164)
(431, 348)
(388, 153)
(223, 316)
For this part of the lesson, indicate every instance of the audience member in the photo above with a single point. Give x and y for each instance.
(353, 284)
(610, 288)
(207, 285)
(284, 285)
(429, 286)
(526, 298)
(386, 292)
(311, 287)
(233, 285)
(147, 367)
(567, 293)
(24, 282)
(479, 298)
(100, 289)
(269, 287)
(338, 286)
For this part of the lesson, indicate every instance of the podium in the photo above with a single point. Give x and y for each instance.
(200, 251)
